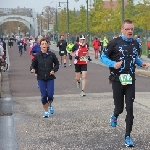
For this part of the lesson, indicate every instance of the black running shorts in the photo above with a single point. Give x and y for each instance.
(62, 53)
(80, 68)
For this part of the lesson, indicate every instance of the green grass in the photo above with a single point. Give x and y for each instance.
(144, 52)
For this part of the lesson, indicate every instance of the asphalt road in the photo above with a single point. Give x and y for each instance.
(23, 83)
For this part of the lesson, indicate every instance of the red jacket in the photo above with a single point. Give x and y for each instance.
(148, 45)
(96, 44)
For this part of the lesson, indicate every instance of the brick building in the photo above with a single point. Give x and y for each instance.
(115, 3)
(107, 3)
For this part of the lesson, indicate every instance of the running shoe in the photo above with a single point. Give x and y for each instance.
(78, 85)
(113, 121)
(128, 142)
(51, 109)
(46, 114)
(83, 94)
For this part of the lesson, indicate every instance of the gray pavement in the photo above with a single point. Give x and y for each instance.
(79, 123)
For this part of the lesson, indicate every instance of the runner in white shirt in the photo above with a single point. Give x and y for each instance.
(31, 42)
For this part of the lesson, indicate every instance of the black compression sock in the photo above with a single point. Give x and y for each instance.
(127, 135)
(116, 115)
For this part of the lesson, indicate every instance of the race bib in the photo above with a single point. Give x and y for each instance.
(20, 43)
(83, 58)
(62, 52)
(125, 79)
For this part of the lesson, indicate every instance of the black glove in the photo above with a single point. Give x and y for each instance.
(89, 59)
(77, 57)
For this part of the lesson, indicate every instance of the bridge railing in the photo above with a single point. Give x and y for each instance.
(21, 11)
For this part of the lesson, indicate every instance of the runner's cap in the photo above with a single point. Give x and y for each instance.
(82, 37)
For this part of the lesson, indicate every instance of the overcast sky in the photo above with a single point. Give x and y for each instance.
(39, 4)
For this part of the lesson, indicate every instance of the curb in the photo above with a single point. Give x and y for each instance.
(137, 71)
(143, 72)
(8, 139)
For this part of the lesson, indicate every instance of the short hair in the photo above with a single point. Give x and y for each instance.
(61, 35)
(127, 21)
(43, 40)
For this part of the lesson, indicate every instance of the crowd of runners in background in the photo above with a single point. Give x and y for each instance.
(97, 44)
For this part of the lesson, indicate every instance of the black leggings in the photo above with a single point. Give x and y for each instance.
(119, 91)
(25, 47)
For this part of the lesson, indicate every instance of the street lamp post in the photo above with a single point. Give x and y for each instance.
(48, 19)
(68, 30)
(45, 22)
(122, 10)
(56, 26)
(42, 14)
